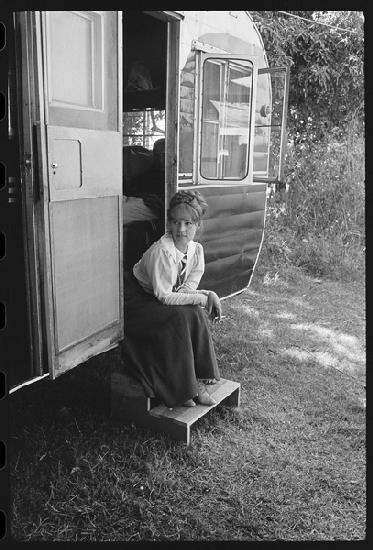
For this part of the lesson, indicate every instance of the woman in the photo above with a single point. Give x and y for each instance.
(168, 345)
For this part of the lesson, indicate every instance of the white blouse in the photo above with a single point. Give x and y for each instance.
(158, 268)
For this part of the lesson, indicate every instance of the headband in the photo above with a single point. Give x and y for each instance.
(184, 197)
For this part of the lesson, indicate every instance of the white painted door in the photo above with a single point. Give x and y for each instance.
(81, 169)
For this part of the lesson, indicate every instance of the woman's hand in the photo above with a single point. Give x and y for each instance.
(214, 306)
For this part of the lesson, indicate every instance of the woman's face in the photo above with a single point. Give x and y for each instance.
(182, 226)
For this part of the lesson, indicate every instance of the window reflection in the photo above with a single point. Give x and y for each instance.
(268, 122)
(143, 127)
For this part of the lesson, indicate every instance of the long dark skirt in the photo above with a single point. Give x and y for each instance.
(166, 348)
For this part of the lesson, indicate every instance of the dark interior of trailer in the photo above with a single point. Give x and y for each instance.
(144, 116)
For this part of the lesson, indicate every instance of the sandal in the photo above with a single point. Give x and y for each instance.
(189, 403)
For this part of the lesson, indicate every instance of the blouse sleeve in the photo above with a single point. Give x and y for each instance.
(160, 272)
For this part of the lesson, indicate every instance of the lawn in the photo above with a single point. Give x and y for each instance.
(288, 465)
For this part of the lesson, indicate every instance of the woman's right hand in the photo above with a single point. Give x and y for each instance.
(213, 306)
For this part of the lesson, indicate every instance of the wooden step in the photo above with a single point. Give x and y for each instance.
(182, 418)
(145, 412)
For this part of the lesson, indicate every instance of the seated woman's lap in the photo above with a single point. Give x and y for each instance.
(143, 312)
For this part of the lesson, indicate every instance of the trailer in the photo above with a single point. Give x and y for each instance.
(89, 94)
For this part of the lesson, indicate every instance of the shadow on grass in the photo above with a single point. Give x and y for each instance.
(306, 322)
(289, 464)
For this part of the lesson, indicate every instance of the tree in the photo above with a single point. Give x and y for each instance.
(326, 67)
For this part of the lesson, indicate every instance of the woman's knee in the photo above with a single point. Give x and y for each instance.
(185, 313)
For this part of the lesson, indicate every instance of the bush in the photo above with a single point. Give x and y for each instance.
(321, 227)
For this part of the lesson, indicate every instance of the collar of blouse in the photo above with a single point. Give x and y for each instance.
(169, 244)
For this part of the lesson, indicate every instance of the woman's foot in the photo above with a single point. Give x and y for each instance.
(204, 397)
(209, 381)
(189, 403)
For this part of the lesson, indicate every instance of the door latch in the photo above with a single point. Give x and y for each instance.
(28, 161)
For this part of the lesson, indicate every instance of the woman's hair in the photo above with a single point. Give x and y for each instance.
(193, 200)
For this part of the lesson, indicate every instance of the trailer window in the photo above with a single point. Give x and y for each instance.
(143, 127)
(226, 116)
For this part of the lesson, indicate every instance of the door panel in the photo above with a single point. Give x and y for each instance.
(78, 59)
(82, 74)
(67, 155)
(232, 235)
(86, 268)
(83, 163)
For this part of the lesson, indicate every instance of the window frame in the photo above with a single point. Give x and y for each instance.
(152, 135)
(198, 178)
(280, 175)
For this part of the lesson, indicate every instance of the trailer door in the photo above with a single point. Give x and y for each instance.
(223, 169)
(80, 158)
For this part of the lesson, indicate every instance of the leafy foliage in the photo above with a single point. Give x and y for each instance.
(326, 67)
(321, 228)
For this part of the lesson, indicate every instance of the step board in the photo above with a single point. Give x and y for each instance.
(185, 417)
(176, 422)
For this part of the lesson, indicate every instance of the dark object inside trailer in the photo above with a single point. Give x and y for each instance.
(144, 99)
(145, 47)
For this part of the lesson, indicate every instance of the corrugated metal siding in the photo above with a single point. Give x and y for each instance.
(231, 236)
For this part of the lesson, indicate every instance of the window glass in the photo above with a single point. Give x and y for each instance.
(226, 106)
(269, 111)
(187, 119)
(262, 132)
(278, 99)
(143, 127)
(212, 90)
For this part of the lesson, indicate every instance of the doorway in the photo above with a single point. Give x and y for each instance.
(144, 132)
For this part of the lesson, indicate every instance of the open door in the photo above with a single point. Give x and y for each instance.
(222, 164)
(80, 171)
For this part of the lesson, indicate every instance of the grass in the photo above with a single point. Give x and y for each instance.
(321, 226)
(289, 464)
